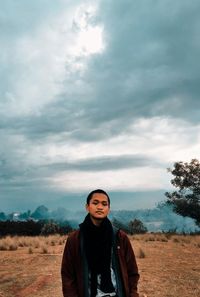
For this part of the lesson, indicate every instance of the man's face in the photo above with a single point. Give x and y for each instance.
(98, 207)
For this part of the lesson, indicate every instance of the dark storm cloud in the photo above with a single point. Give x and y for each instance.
(149, 68)
(105, 163)
(31, 175)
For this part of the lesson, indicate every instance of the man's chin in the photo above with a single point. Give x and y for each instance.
(99, 218)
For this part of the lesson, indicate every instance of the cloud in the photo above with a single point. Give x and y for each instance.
(149, 63)
(38, 55)
(110, 110)
(104, 163)
(129, 179)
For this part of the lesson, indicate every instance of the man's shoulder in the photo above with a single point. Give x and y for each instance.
(122, 236)
(120, 233)
(74, 235)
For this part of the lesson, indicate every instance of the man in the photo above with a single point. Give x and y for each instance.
(98, 260)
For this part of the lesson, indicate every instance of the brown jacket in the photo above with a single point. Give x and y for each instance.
(72, 266)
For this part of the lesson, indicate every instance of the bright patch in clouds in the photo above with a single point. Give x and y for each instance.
(129, 179)
(89, 39)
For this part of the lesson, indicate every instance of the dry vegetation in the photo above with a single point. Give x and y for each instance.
(169, 265)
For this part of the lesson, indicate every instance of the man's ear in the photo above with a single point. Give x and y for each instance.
(86, 207)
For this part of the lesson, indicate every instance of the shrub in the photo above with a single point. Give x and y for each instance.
(30, 250)
(141, 254)
(150, 238)
(13, 247)
(3, 246)
(137, 227)
(50, 228)
(44, 250)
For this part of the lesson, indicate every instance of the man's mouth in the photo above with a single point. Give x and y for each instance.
(99, 212)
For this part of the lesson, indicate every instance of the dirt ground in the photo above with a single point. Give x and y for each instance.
(168, 269)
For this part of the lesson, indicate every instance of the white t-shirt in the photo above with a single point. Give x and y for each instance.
(99, 292)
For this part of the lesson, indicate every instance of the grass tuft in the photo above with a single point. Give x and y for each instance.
(140, 254)
(44, 250)
(30, 250)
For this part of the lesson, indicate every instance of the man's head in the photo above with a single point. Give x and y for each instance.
(98, 204)
(98, 191)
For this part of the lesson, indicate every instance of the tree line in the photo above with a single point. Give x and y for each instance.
(34, 228)
(44, 227)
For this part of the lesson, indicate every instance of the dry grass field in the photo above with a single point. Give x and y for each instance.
(169, 265)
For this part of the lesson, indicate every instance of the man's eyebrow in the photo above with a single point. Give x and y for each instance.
(96, 200)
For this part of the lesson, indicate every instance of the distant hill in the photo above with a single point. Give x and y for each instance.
(159, 219)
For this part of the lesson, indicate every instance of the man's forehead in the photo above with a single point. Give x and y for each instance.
(99, 196)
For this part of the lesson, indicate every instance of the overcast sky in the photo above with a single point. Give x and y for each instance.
(96, 94)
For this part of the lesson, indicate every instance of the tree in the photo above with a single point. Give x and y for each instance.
(137, 227)
(186, 200)
(65, 227)
(133, 227)
(2, 216)
(50, 228)
(25, 215)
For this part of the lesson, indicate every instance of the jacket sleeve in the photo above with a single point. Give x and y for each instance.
(132, 268)
(68, 273)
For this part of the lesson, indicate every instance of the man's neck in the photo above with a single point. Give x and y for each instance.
(96, 222)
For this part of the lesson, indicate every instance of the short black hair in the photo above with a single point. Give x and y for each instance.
(99, 191)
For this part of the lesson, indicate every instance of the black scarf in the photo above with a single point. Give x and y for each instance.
(98, 245)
